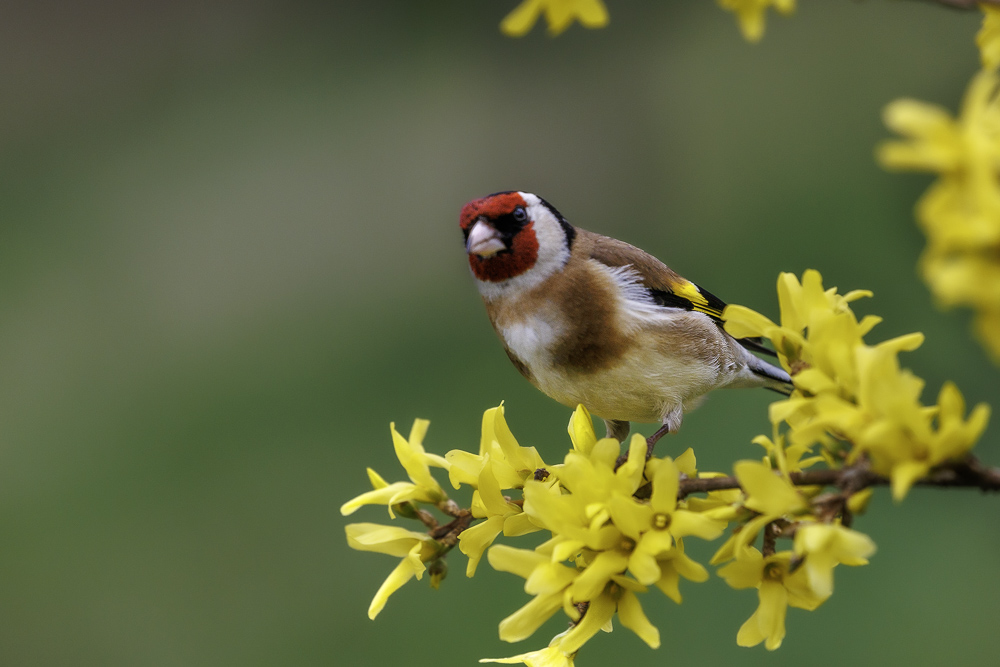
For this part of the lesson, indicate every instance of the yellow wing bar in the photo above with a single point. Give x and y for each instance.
(691, 292)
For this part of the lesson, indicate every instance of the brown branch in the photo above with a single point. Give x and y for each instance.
(968, 472)
(448, 533)
(426, 518)
(451, 508)
(965, 4)
(771, 532)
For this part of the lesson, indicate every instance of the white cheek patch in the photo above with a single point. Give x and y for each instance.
(553, 253)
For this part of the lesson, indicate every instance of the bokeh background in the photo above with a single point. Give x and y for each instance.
(229, 257)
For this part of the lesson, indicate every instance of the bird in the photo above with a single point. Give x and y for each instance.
(590, 320)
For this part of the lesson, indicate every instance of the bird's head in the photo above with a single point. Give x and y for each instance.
(515, 236)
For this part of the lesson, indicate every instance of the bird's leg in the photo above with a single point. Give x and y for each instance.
(651, 440)
(617, 429)
(613, 427)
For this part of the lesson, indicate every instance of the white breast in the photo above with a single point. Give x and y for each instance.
(532, 339)
(648, 385)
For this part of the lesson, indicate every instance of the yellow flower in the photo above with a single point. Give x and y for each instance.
(676, 564)
(500, 465)
(416, 461)
(601, 534)
(581, 516)
(821, 547)
(545, 579)
(849, 390)
(750, 14)
(988, 37)
(778, 585)
(958, 216)
(414, 548)
(768, 493)
(960, 212)
(987, 327)
(559, 14)
(550, 656)
(576, 507)
(941, 143)
(600, 610)
(655, 526)
(787, 458)
(511, 463)
(900, 434)
(581, 430)
(832, 329)
(501, 515)
(557, 586)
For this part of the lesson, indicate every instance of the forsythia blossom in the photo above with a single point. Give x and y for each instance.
(849, 390)
(607, 546)
(769, 494)
(500, 465)
(960, 213)
(801, 578)
(778, 585)
(422, 487)
(820, 547)
(750, 14)
(415, 549)
(559, 14)
(988, 37)
(617, 523)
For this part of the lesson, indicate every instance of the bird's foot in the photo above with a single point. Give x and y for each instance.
(651, 440)
(616, 429)
(650, 443)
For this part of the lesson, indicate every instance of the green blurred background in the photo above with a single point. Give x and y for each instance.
(229, 257)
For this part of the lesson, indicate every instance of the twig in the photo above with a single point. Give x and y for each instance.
(426, 518)
(965, 4)
(448, 533)
(968, 472)
(771, 531)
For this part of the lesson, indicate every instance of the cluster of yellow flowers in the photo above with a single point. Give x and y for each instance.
(853, 393)
(560, 14)
(617, 525)
(960, 212)
(750, 14)
(615, 530)
(801, 577)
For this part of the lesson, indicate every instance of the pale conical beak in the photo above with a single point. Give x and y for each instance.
(483, 240)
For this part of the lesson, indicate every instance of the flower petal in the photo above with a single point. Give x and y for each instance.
(632, 617)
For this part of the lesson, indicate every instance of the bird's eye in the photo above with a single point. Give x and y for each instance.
(519, 214)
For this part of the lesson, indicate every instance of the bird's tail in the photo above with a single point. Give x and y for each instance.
(775, 379)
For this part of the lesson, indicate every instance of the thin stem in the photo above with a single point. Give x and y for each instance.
(966, 473)
(448, 533)
(426, 518)
(965, 4)
(771, 531)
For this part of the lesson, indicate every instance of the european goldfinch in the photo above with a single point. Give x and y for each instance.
(595, 321)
